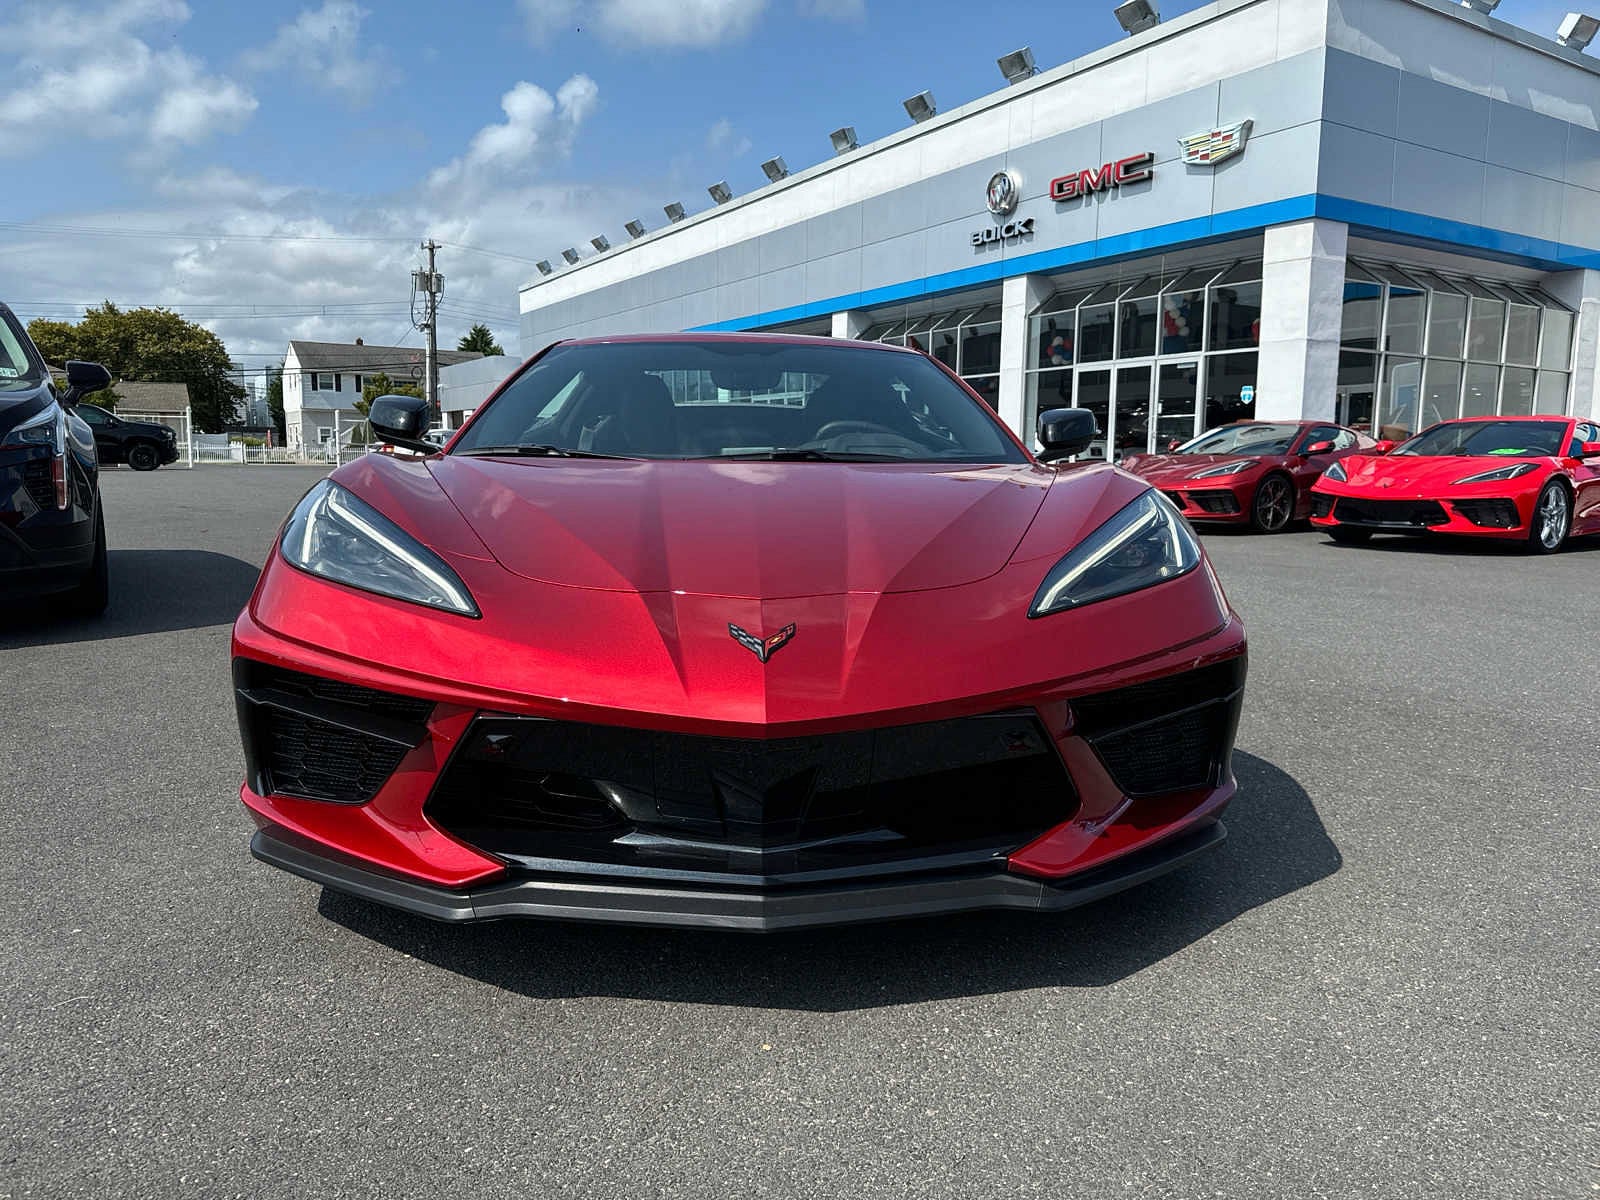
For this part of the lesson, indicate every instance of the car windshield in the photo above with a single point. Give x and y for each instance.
(1243, 439)
(1488, 439)
(17, 368)
(777, 400)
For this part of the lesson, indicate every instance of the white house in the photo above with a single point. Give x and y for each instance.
(323, 380)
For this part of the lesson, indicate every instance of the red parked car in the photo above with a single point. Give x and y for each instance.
(1529, 479)
(1251, 472)
(740, 631)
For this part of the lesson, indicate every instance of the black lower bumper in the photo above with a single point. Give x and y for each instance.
(744, 910)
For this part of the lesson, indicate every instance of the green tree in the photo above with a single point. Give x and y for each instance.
(55, 340)
(275, 404)
(480, 339)
(157, 345)
(381, 385)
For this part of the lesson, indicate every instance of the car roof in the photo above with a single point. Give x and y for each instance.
(1507, 417)
(771, 339)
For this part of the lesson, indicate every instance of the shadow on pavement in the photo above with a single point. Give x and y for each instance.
(1459, 546)
(1277, 845)
(152, 591)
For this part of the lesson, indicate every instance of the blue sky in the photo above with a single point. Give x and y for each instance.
(515, 126)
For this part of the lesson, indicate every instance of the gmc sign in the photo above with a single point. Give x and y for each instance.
(1136, 168)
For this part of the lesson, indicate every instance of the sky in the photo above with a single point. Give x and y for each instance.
(269, 169)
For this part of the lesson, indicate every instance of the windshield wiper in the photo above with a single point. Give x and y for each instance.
(533, 450)
(808, 454)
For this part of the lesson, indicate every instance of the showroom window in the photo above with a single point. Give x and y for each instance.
(966, 340)
(1419, 346)
(1158, 357)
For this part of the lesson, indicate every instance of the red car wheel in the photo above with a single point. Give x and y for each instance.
(1552, 520)
(1273, 506)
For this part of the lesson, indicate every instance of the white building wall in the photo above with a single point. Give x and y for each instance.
(1302, 297)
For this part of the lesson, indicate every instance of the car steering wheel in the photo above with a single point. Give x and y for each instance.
(835, 428)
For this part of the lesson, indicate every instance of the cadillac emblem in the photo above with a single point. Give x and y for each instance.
(1211, 147)
(1005, 192)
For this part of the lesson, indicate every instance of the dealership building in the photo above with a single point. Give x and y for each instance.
(1376, 212)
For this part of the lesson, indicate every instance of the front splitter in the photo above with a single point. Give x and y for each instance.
(625, 903)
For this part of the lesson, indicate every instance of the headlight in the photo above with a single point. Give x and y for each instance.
(334, 534)
(1227, 468)
(46, 429)
(1515, 470)
(1335, 472)
(1146, 543)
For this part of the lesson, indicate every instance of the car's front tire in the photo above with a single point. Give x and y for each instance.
(1272, 508)
(1346, 536)
(1552, 520)
(142, 456)
(90, 597)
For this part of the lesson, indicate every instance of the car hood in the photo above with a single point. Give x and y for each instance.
(1415, 474)
(1173, 468)
(745, 529)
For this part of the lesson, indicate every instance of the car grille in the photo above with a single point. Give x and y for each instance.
(1419, 513)
(36, 478)
(754, 811)
(322, 739)
(1492, 514)
(1168, 735)
(1321, 506)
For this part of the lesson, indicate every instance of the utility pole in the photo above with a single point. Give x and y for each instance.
(431, 284)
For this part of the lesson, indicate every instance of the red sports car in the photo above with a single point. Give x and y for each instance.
(1251, 472)
(751, 632)
(1529, 479)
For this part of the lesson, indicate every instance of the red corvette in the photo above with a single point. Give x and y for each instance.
(739, 631)
(1251, 472)
(1530, 479)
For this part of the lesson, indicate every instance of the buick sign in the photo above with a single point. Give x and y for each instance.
(1005, 192)
(995, 234)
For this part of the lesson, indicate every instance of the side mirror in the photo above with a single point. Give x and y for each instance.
(1384, 446)
(84, 378)
(402, 420)
(1173, 445)
(1064, 432)
(1318, 448)
(1591, 450)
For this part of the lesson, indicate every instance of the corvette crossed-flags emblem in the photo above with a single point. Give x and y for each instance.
(762, 649)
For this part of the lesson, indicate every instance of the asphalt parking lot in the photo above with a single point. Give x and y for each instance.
(1386, 983)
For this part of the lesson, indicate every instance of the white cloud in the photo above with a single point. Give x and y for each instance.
(679, 24)
(724, 139)
(535, 122)
(323, 46)
(112, 85)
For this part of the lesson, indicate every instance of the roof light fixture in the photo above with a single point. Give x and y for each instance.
(1577, 31)
(1483, 6)
(674, 212)
(843, 139)
(544, 266)
(719, 191)
(570, 254)
(921, 107)
(1136, 16)
(635, 229)
(1018, 65)
(775, 168)
(601, 243)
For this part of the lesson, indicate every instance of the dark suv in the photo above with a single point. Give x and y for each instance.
(143, 445)
(52, 533)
